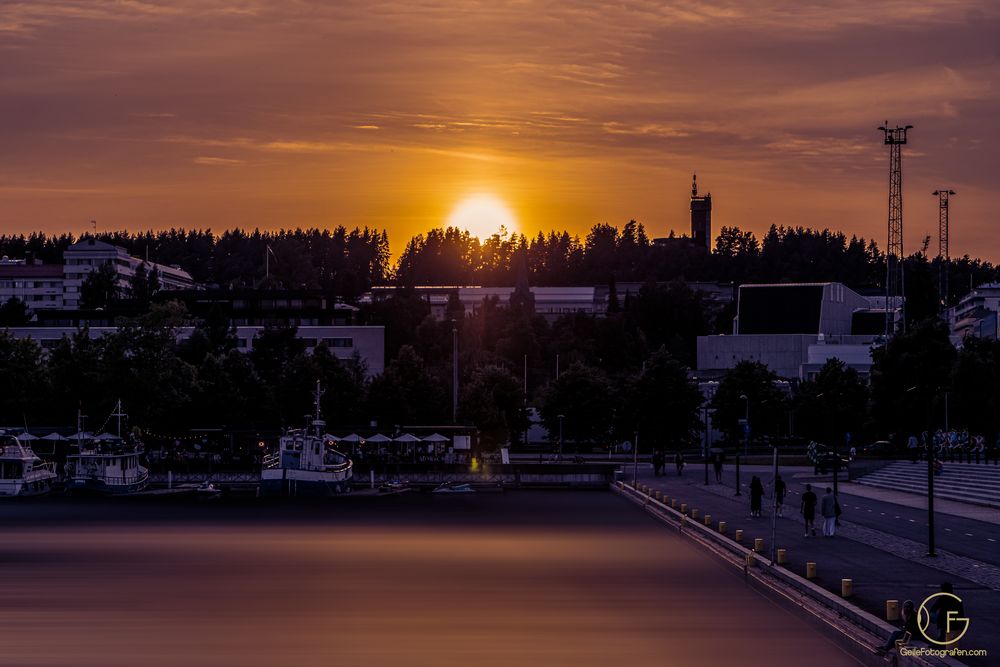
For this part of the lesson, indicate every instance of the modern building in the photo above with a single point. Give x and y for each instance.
(550, 302)
(976, 314)
(794, 329)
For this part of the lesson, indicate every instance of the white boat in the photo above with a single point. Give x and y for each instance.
(106, 464)
(22, 472)
(306, 463)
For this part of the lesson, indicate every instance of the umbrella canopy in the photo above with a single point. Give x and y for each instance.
(53, 436)
(82, 435)
(436, 437)
(407, 437)
(107, 436)
(27, 436)
(378, 437)
(354, 437)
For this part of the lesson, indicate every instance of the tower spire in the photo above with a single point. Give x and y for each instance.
(694, 185)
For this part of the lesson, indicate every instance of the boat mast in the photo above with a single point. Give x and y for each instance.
(119, 414)
(318, 419)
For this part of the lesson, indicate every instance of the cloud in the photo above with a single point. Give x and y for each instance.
(218, 161)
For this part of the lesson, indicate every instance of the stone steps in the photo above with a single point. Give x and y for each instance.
(964, 482)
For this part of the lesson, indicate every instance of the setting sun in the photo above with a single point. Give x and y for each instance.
(483, 216)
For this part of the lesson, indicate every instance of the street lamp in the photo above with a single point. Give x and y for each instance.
(561, 417)
(746, 425)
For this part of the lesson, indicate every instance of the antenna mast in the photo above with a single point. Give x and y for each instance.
(895, 139)
(943, 196)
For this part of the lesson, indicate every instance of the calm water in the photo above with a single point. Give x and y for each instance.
(526, 578)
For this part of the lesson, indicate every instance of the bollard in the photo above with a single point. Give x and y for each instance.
(751, 560)
(673, 503)
(684, 508)
(694, 513)
(758, 544)
(708, 519)
(782, 556)
(892, 610)
(657, 496)
(739, 535)
(846, 588)
(810, 570)
(722, 527)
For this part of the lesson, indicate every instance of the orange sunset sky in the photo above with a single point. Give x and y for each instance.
(222, 113)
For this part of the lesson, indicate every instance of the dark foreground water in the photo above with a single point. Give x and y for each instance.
(520, 578)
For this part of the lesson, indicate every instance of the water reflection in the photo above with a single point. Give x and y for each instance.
(517, 578)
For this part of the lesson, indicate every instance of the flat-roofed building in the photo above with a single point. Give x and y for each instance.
(39, 286)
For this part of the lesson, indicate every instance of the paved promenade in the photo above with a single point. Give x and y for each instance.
(881, 545)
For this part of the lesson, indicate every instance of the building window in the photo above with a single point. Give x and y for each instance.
(339, 342)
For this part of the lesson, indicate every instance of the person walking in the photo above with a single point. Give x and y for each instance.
(679, 462)
(779, 494)
(909, 618)
(717, 464)
(945, 609)
(911, 446)
(756, 493)
(828, 508)
(808, 508)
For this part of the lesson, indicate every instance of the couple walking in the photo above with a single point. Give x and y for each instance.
(829, 509)
(757, 494)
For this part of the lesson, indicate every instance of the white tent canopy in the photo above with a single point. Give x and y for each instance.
(407, 437)
(27, 436)
(53, 436)
(378, 437)
(82, 435)
(436, 437)
(354, 437)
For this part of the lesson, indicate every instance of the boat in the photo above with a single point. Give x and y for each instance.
(22, 472)
(452, 487)
(306, 463)
(106, 464)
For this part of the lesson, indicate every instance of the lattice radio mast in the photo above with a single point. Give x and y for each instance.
(895, 139)
(944, 197)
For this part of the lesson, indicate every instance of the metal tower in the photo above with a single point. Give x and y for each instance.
(943, 199)
(895, 139)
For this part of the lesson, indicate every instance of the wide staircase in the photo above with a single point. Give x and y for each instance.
(978, 484)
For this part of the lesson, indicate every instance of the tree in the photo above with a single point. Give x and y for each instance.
(766, 401)
(493, 401)
(100, 287)
(406, 393)
(908, 377)
(975, 397)
(832, 405)
(586, 400)
(144, 284)
(663, 404)
(14, 313)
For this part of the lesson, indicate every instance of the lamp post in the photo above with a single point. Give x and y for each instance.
(746, 425)
(561, 417)
(705, 451)
(635, 459)
(454, 372)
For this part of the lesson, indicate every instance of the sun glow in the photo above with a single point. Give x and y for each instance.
(483, 215)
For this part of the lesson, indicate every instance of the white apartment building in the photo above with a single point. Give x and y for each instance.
(37, 285)
(88, 254)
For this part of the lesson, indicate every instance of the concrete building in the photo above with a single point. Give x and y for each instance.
(37, 285)
(976, 314)
(343, 341)
(550, 302)
(794, 329)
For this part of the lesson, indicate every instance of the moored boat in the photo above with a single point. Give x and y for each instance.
(106, 464)
(306, 463)
(22, 472)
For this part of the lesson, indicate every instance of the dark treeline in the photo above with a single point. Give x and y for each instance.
(599, 379)
(349, 262)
